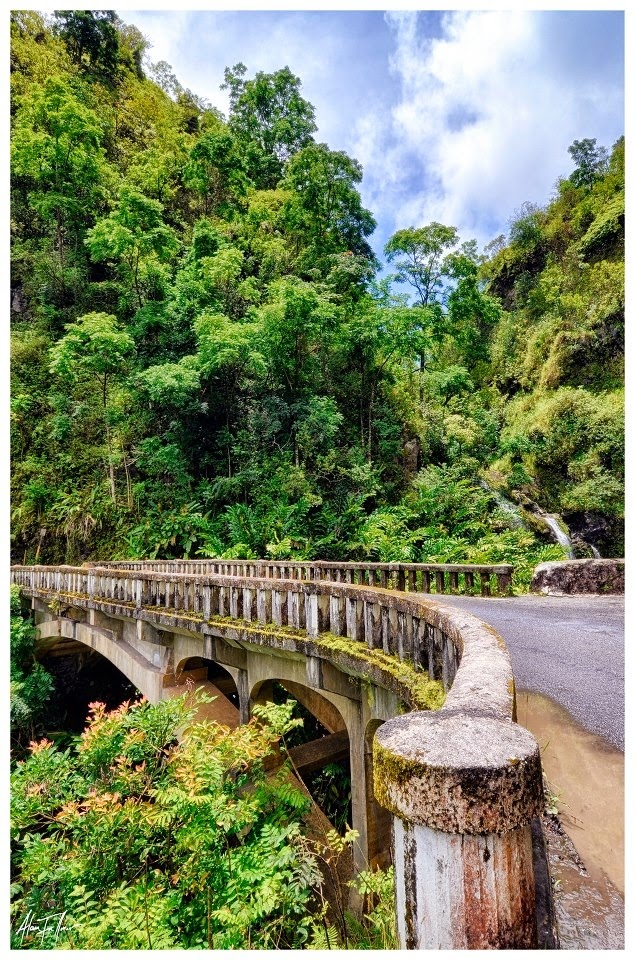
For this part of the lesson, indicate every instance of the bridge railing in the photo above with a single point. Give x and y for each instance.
(464, 783)
(402, 626)
(441, 578)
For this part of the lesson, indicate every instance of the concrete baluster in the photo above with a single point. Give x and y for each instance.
(178, 595)
(354, 619)
(279, 607)
(437, 652)
(223, 601)
(428, 646)
(337, 616)
(235, 597)
(447, 666)
(469, 581)
(324, 612)
(385, 629)
(406, 636)
(312, 614)
(454, 581)
(439, 577)
(485, 583)
(249, 604)
(392, 633)
(263, 605)
(293, 608)
(463, 790)
(206, 596)
(372, 624)
(419, 651)
(301, 610)
(214, 600)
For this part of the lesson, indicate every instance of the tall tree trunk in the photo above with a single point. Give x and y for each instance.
(370, 422)
(111, 467)
(128, 482)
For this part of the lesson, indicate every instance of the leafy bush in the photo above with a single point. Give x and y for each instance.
(143, 841)
(31, 684)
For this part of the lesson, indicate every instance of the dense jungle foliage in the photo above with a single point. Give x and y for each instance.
(207, 361)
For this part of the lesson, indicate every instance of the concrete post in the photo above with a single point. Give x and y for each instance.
(463, 790)
(312, 614)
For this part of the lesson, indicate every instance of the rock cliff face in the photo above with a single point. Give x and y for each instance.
(579, 576)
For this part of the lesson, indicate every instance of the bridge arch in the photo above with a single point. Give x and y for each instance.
(142, 673)
(212, 678)
(318, 703)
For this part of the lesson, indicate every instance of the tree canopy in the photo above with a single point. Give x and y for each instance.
(205, 358)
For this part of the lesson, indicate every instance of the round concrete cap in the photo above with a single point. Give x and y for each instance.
(458, 772)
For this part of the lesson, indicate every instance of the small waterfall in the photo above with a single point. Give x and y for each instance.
(516, 519)
(562, 538)
(505, 505)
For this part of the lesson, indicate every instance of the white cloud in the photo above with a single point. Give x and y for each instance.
(484, 118)
(458, 117)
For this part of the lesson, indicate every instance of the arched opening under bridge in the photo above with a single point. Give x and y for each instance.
(200, 673)
(82, 676)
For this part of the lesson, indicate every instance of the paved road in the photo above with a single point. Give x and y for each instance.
(569, 648)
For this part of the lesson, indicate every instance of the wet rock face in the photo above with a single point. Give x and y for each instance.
(591, 529)
(579, 576)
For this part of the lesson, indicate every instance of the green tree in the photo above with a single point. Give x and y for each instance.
(58, 161)
(325, 214)
(215, 171)
(269, 118)
(591, 162)
(135, 236)
(91, 38)
(420, 258)
(94, 349)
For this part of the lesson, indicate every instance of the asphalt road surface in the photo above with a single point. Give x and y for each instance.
(569, 648)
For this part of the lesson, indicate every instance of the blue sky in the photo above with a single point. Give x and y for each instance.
(458, 116)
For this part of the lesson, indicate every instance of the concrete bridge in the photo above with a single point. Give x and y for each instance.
(444, 782)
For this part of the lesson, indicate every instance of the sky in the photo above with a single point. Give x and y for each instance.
(458, 116)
